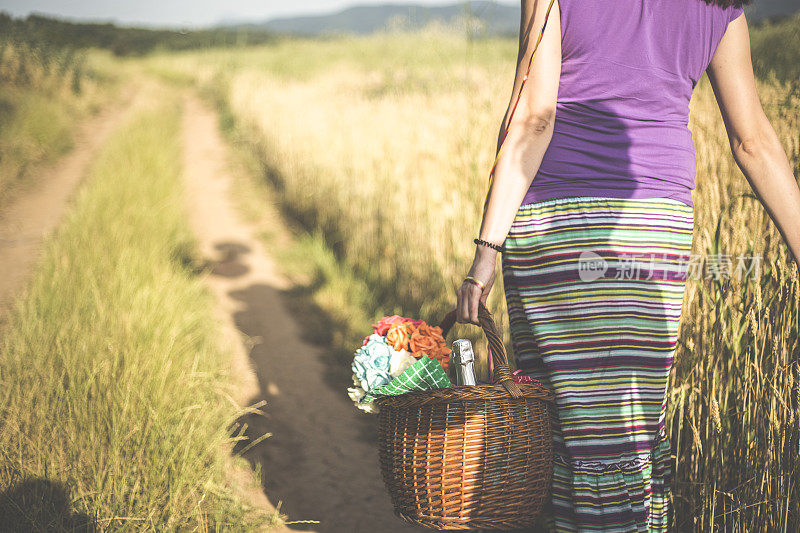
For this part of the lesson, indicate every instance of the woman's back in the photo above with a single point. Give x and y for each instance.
(627, 74)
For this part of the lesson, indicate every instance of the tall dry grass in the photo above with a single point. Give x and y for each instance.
(43, 91)
(382, 145)
(41, 67)
(735, 391)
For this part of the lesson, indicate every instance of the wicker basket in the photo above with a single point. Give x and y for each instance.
(471, 456)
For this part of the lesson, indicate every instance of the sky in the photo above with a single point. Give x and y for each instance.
(183, 13)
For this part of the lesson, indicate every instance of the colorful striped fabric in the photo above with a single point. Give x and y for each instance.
(594, 288)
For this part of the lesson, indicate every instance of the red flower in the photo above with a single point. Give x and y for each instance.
(382, 325)
(522, 378)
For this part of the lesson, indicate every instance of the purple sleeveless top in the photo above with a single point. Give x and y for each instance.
(627, 74)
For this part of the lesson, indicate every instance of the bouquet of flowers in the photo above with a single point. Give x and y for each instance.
(401, 355)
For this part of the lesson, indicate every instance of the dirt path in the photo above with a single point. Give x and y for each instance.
(30, 215)
(321, 462)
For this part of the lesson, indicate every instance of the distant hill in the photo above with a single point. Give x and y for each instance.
(495, 18)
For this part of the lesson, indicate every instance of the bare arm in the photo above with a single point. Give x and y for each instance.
(754, 143)
(525, 144)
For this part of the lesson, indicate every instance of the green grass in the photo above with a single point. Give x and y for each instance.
(35, 128)
(114, 397)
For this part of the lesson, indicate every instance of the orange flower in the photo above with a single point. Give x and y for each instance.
(423, 343)
(434, 332)
(444, 361)
(397, 336)
(425, 329)
(428, 340)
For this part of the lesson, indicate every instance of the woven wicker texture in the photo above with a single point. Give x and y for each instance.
(469, 457)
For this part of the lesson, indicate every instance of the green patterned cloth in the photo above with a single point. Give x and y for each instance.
(425, 374)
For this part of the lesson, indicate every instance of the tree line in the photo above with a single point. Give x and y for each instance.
(44, 31)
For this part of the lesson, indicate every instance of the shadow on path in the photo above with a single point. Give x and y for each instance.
(321, 460)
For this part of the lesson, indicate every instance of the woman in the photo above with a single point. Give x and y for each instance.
(593, 183)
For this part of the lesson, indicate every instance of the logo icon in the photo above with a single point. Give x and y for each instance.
(591, 266)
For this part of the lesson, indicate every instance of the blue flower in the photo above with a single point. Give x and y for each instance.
(371, 363)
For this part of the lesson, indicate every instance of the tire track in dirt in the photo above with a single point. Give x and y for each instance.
(321, 462)
(30, 215)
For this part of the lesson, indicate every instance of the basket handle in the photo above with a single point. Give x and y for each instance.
(501, 373)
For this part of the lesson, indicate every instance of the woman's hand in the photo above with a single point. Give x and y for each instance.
(468, 294)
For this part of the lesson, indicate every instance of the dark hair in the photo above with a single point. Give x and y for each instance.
(729, 3)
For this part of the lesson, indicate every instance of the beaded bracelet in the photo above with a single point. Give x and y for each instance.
(497, 247)
(476, 281)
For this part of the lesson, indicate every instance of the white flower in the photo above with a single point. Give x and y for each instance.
(368, 407)
(356, 393)
(400, 361)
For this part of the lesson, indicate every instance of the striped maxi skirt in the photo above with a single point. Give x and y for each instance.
(594, 288)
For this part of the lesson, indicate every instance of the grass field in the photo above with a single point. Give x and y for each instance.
(115, 397)
(380, 148)
(44, 92)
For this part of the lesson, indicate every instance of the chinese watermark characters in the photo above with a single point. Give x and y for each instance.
(695, 266)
